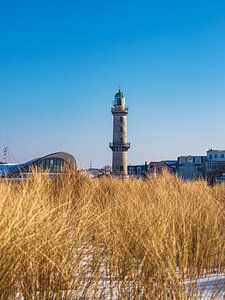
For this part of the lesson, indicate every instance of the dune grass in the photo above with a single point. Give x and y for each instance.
(74, 237)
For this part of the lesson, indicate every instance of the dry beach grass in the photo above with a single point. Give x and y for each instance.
(74, 237)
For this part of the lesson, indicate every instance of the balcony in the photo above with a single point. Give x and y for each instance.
(126, 145)
(119, 108)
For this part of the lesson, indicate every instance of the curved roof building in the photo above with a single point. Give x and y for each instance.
(52, 163)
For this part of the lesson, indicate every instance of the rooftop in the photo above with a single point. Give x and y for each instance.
(212, 150)
(119, 94)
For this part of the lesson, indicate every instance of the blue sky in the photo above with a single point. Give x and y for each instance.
(61, 63)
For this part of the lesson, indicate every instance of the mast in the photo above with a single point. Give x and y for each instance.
(5, 151)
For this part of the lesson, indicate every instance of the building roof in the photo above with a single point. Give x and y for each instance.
(212, 150)
(191, 156)
(119, 95)
(10, 168)
(170, 162)
(136, 166)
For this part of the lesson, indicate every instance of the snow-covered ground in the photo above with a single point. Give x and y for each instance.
(205, 288)
(208, 287)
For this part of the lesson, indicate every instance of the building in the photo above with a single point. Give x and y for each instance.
(157, 167)
(215, 165)
(53, 163)
(220, 179)
(138, 170)
(153, 168)
(119, 145)
(191, 167)
(94, 172)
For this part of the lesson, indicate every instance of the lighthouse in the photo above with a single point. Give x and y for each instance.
(119, 145)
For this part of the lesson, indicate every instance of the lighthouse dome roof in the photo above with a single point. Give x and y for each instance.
(119, 95)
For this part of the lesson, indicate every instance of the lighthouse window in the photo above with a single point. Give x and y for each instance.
(121, 140)
(121, 129)
(121, 119)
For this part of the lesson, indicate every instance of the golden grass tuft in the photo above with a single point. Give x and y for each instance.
(74, 237)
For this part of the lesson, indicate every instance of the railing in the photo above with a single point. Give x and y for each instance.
(119, 108)
(127, 145)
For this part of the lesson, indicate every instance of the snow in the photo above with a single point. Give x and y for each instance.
(208, 287)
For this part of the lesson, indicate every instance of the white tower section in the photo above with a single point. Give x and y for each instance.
(119, 145)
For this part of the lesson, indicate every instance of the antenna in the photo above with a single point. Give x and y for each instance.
(5, 150)
(90, 163)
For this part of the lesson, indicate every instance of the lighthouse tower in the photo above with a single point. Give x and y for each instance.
(119, 145)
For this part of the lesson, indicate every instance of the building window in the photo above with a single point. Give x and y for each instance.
(197, 160)
(222, 155)
(215, 156)
(121, 119)
(181, 160)
(210, 156)
(189, 160)
(121, 129)
(121, 140)
(119, 102)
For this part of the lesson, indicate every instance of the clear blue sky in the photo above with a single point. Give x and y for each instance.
(61, 63)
